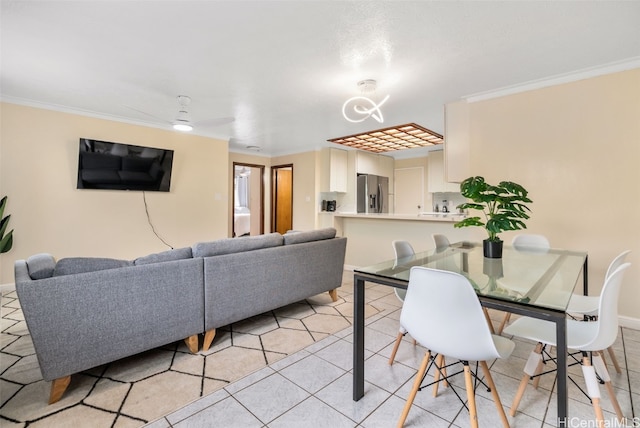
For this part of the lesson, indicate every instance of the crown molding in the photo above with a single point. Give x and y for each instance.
(609, 68)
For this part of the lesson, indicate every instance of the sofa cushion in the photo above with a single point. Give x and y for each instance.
(73, 265)
(308, 236)
(236, 245)
(165, 256)
(41, 265)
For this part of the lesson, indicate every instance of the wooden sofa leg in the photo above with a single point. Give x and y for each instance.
(192, 343)
(208, 339)
(58, 387)
(334, 294)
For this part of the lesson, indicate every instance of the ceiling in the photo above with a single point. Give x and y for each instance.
(283, 69)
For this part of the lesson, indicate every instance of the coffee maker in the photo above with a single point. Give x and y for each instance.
(331, 205)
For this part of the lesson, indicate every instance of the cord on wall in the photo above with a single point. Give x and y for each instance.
(146, 210)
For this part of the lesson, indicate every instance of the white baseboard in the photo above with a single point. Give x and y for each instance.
(632, 323)
(5, 288)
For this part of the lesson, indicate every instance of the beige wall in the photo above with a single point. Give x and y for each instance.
(38, 167)
(576, 148)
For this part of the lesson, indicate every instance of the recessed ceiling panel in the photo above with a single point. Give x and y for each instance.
(399, 137)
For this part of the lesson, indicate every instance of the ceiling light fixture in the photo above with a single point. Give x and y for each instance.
(399, 137)
(182, 122)
(363, 105)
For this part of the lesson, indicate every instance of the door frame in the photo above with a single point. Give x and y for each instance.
(233, 193)
(274, 207)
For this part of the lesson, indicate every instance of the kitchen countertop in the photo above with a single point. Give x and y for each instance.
(444, 217)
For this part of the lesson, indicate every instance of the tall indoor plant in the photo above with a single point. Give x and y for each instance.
(504, 208)
(6, 241)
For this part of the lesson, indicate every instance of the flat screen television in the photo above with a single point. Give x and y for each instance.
(116, 166)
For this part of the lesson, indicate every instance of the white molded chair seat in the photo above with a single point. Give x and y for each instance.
(442, 312)
(440, 241)
(587, 337)
(587, 306)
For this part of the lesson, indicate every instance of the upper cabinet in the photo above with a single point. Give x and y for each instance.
(371, 163)
(337, 170)
(456, 142)
(435, 174)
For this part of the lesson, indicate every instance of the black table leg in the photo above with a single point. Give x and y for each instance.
(358, 338)
(561, 387)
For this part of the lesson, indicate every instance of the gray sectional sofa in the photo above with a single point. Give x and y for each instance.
(85, 312)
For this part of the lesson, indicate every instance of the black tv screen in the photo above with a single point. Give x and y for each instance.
(117, 166)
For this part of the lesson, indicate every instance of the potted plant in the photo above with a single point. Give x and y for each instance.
(6, 242)
(504, 208)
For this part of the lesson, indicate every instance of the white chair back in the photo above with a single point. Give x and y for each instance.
(402, 249)
(607, 330)
(525, 241)
(442, 312)
(616, 263)
(440, 241)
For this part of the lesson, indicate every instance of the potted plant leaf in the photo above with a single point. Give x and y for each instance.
(6, 241)
(503, 206)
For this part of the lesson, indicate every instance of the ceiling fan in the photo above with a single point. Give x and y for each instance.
(183, 122)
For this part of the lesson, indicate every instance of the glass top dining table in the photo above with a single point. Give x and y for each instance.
(531, 282)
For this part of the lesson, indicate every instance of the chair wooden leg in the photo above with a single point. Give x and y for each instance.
(471, 395)
(58, 387)
(395, 347)
(208, 339)
(614, 360)
(334, 294)
(414, 390)
(486, 315)
(494, 393)
(532, 367)
(505, 320)
(436, 375)
(592, 388)
(602, 371)
(192, 343)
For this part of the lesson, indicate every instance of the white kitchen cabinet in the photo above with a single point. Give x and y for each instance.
(337, 170)
(456, 142)
(435, 174)
(371, 163)
(366, 163)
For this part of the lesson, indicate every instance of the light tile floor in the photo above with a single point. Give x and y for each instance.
(313, 387)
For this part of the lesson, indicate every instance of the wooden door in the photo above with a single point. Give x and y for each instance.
(282, 198)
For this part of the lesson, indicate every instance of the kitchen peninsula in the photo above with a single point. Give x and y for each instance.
(369, 236)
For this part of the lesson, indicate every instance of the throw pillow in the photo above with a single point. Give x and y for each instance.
(236, 245)
(73, 265)
(308, 236)
(165, 256)
(41, 265)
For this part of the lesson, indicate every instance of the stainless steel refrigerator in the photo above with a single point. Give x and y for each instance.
(373, 194)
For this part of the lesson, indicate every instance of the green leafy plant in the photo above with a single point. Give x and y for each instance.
(6, 241)
(504, 206)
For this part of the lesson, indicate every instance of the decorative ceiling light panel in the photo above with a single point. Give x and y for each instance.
(409, 136)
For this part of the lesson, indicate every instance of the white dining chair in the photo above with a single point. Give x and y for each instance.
(440, 241)
(442, 312)
(525, 242)
(401, 249)
(589, 338)
(587, 306)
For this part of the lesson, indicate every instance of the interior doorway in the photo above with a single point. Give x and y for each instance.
(282, 198)
(248, 199)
